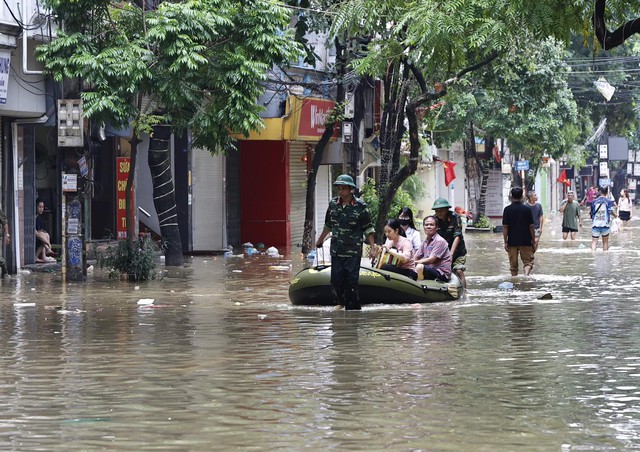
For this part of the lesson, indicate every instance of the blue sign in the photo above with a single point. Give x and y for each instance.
(605, 182)
(522, 165)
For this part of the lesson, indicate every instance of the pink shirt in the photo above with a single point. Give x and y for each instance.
(404, 247)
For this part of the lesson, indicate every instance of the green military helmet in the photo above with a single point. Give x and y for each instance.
(441, 203)
(345, 179)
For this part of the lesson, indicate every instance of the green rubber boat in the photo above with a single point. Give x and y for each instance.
(312, 287)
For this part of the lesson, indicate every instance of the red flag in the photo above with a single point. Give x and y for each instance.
(563, 177)
(496, 154)
(449, 173)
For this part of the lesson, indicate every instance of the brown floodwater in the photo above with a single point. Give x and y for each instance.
(221, 360)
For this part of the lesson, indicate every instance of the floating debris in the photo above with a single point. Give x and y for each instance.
(279, 267)
(146, 301)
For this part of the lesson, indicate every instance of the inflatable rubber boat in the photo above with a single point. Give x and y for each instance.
(312, 287)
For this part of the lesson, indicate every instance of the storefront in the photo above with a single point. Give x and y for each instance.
(273, 170)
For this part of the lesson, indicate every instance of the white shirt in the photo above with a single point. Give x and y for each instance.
(414, 236)
(624, 204)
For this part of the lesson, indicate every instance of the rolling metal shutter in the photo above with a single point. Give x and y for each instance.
(323, 194)
(298, 191)
(208, 202)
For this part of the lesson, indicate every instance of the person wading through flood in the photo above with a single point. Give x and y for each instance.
(450, 229)
(601, 214)
(349, 220)
(518, 233)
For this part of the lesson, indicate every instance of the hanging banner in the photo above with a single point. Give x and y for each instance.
(605, 88)
(123, 166)
(5, 67)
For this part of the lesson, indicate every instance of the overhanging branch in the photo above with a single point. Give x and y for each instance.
(608, 40)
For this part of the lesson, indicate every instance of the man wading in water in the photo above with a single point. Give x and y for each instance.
(348, 219)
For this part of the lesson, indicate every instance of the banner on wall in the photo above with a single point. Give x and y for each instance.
(123, 166)
(5, 67)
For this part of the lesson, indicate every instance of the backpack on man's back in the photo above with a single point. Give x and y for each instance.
(600, 215)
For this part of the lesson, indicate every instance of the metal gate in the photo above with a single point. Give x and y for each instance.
(298, 191)
(208, 201)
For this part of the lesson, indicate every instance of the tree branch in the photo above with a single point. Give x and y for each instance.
(492, 56)
(436, 95)
(419, 77)
(608, 40)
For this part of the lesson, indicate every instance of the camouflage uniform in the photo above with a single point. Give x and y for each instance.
(348, 226)
(449, 230)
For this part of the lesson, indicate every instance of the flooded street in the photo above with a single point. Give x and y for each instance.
(221, 360)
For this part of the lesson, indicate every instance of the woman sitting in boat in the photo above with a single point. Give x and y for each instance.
(405, 216)
(397, 251)
(433, 259)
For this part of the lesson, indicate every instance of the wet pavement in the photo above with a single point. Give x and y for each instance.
(221, 360)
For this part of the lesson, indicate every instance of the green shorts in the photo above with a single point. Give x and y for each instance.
(459, 263)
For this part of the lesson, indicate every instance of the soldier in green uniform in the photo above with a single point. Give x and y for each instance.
(349, 220)
(450, 228)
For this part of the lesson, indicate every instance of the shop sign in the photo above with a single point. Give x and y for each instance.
(5, 67)
(313, 116)
(123, 166)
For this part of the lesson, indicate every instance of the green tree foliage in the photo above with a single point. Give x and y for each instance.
(415, 44)
(525, 98)
(402, 198)
(201, 62)
(198, 65)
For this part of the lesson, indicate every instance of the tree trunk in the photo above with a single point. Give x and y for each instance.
(484, 165)
(484, 178)
(129, 190)
(164, 198)
(473, 172)
(309, 214)
(392, 130)
(318, 152)
(401, 174)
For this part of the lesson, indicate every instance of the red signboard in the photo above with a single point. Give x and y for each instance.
(313, 116)
(123, 165)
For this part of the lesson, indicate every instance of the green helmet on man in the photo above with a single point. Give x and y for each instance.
(441, 203)
(345, 179)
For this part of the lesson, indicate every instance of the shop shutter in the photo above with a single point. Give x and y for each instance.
(323, 195)
(298, 191)
(208, 205)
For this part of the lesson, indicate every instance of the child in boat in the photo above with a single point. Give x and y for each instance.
(398, 249)
(433, 259)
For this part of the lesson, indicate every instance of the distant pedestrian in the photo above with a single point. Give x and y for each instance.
(571, 220)
(518, 233)
(536, 210)
(601, 214)
(348, 219)
(624, 206)
(450, 229)
(590, 195)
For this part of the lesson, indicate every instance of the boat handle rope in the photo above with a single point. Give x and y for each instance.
(319, 250)
(438, 289)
